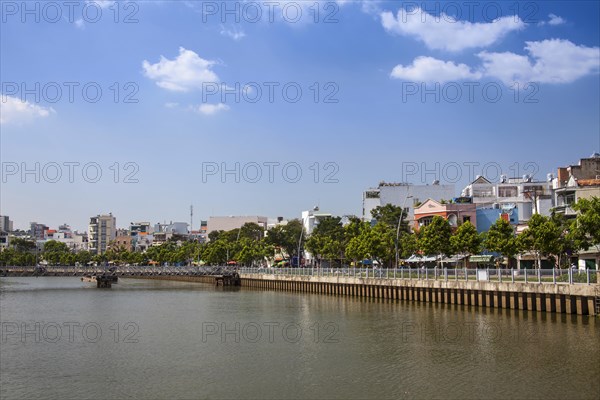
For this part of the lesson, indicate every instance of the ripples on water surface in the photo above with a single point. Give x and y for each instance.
(162, 339)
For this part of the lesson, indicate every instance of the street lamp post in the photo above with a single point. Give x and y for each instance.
(300, 241)
(400, 223)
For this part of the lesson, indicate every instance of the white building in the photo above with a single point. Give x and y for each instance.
(528, 196)
(310, 219)
(404, 195)
(75, 241)
(176, 228)
(273, 222)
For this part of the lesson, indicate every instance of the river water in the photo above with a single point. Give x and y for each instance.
(65, 339)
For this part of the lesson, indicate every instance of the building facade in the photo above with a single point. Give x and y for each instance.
(528, 196)
(581, 181)
(6, 225)
(102, 230)
(455, 213)
(37, 231)
(404, 195)
(487, 216)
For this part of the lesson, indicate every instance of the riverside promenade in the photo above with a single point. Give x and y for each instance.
(551, 291)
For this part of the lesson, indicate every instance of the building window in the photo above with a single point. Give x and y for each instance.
(507, 191)
(483, 193)
(425, 221)
(569, 199)
(452, 220)
(534, 190)
(466, 218)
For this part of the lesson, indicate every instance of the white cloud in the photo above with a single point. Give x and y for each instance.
(14, 110)
(186, 72)
(211, 109)
(553, 20)
(549, 61)
(79, 23)
(233, 33)
(102, 3)
(171, 105)
(429, 69)
(445, 32)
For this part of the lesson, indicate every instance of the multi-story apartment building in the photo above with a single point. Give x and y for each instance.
(37, 231)
(6, 225)
(141, 235)
(576, 182)
(526, 195)
(101, 231)
(311, 218)
(404, 195)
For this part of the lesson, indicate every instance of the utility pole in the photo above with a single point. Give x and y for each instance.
(191, 218)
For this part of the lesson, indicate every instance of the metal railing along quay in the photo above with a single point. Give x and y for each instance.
(542, 276)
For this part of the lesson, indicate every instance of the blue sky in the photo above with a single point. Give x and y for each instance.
(185, 62)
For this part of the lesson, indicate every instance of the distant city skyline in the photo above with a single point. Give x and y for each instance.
(470, 169)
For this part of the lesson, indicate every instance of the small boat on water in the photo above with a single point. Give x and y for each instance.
(89, 278)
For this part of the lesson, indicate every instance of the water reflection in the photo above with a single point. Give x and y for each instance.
(197, 341)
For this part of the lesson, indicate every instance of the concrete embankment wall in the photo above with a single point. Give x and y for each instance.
(560, 298)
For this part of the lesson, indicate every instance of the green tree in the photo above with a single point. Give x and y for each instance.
(408, 244)
(382, 244)
(54, 246)
(375, 243)
(84, 257)
(570, 241)
(357, 245)
(541, 237)
(466, 240)
(500, 238)
(213, 236)
(251, 251)
(22, 245)
(327, 239)
(434, 239)
(216, 252)
(55, 252)
(286, 237)
(586, 226)
(252, 231)
(390, 214)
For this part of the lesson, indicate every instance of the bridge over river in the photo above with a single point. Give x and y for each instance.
(119, 271)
